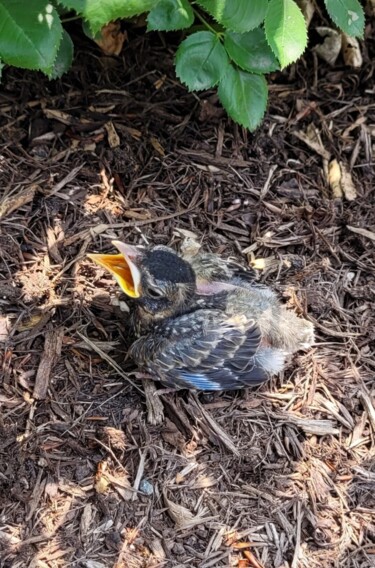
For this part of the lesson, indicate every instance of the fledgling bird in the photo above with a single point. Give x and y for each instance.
(202, 324)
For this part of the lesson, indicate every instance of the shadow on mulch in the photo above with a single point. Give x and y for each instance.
(281, 476)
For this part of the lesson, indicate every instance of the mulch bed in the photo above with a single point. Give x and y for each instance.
(90, 476)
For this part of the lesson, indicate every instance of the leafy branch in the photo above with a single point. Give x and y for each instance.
(241, 42)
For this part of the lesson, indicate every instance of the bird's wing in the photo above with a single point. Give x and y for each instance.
(205, 350)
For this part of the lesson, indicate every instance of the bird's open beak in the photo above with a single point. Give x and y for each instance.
(123, 266)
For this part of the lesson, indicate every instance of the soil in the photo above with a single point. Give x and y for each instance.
(279, 476)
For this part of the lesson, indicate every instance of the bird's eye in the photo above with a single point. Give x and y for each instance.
(154, 292)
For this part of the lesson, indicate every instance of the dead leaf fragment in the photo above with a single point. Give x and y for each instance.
(179, 514)
(334, 179)
(121, 484)
(113, 137)
(347, 183)
(160, 82)
(9, 402)
(330, 48)
(184, 518)
(258, 263)
(370, 8)
(101, 481)
(4, 327)
(351, 51)
(111, 39)
(312, 139)
(340, 181)
(307, 8)
(157, 146)
(172, 435)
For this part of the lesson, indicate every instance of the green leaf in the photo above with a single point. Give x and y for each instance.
(285, 30)
(100, 12)
(347, 15)
(64, 57)
(251, 51)
(237, 15)
(201, 61)
(170, 15)
(88, 31)
(30, 35)
(244, 97)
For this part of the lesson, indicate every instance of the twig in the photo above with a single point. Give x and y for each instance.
(367, 403)
(109, 360)
(215, 428)
(298, 536)
(141, 468)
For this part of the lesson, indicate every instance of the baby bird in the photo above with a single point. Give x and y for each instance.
(202, 324)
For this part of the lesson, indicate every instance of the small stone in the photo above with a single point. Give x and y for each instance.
(146, 487)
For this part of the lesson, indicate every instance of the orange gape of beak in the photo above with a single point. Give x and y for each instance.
(123, 267)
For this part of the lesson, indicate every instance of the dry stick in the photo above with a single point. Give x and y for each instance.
(111, 453)
(141, 468)
(252, 559)
(109, 360)
(154, 405)
(367, 403)
(362, 232)
(36, 494)
(267, 185)
(214, 426)
(298, 536)
(52, 351)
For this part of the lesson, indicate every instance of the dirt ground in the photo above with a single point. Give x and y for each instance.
(279, 476)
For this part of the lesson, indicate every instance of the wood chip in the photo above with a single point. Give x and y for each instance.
(60, 116)
(155, 408)
(51, 354)
(317, 427)
(16, 199)
(86, 520)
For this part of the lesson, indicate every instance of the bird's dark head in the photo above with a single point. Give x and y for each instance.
(161, 283)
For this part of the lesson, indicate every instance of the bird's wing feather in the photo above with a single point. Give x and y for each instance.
(206, 350)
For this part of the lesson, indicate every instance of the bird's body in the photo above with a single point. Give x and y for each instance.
(203, 323)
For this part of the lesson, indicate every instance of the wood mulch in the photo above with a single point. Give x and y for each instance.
(93, 476)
